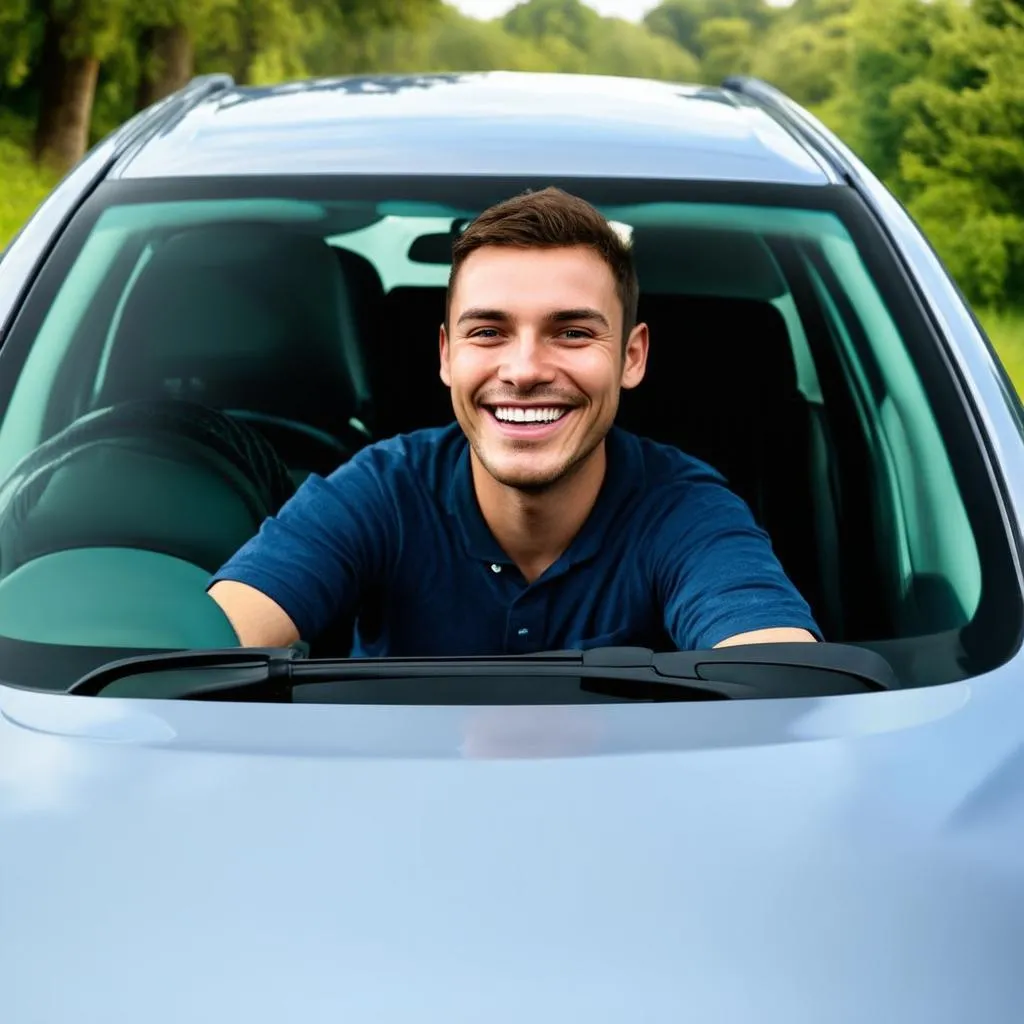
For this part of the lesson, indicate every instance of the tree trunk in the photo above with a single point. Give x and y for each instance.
(66, 94)
(167, 60)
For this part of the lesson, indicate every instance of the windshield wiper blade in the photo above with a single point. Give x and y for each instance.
(625, 673)
(259, 664)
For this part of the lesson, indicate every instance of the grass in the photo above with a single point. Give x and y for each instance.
(1006, 331)
(23, 187)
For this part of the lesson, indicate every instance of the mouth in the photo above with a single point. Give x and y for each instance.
(529, 421)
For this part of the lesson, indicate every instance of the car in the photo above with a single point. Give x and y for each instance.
(241, 287)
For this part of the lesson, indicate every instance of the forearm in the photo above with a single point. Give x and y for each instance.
(258, 621)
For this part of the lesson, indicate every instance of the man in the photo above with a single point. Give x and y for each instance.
(533, 523)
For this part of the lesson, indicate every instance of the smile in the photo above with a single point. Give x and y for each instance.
(529, 422)
(529, 414)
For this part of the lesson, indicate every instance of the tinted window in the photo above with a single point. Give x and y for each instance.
(194, 349)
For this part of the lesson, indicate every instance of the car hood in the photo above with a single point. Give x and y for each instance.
(843, 859)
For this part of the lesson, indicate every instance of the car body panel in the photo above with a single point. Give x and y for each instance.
(842, 859)
(484, 123)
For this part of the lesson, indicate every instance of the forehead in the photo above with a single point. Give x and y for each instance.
(534, 280)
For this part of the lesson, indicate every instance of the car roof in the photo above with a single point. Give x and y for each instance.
(508, 123)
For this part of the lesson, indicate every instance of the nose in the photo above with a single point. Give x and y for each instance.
(525, 364)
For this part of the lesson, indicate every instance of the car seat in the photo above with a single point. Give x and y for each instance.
(721, 384)
(253, 318)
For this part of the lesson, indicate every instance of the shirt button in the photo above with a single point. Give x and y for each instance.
(524, 632)
(495, 567)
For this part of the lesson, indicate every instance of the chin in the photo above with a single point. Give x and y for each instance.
(524, 474)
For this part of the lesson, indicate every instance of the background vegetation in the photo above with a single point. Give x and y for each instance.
(929, 92)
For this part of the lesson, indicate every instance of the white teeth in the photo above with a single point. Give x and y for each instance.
(516, 414)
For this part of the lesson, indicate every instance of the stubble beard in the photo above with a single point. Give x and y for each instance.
(541, 484)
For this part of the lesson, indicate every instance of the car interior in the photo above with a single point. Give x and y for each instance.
(190, 364)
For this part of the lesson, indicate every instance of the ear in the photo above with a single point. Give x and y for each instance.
(634, 362)
(445, 347)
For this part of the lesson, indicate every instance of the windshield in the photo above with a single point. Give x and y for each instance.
(297, 323)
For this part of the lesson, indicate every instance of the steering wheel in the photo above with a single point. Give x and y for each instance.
(301, 445)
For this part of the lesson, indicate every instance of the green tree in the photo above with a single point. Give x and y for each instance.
(623, 48)
(449, 41)
(890, 44)
(681, 20)
(806, 52)
(20, 27)
(357, 36)
(76, 37)
(569, 20)
(961, 157)
(574, 38)
(166, 32)
(726, 46)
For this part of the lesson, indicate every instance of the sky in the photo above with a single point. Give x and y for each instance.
(634, 10)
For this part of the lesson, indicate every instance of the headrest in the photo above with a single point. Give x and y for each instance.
(705, 261)
(255, 294)
(735, 345)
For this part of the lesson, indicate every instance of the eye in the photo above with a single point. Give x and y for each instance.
(575, 334)
(485, 334)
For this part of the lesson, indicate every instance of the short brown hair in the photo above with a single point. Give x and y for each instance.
(551, 219)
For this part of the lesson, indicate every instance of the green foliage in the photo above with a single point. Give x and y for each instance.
(630, 50)
(930, 93)
(20, 32)
(962, 149)
(529, 38)
(25, 186)
(1005, 329)
(681, 21)
(726, 46)
(573, 37)
(568, 20)
(806, 53)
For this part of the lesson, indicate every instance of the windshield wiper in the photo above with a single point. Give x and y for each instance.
(618, 673)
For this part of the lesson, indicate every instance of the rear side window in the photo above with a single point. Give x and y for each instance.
(784, 352)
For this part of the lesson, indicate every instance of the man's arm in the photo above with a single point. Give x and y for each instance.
(717, 577)
(310, 564)
(782, 635)
(258, 621)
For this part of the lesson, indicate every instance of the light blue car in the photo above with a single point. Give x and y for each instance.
(241, 287)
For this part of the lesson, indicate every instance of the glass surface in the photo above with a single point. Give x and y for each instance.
(198, 290)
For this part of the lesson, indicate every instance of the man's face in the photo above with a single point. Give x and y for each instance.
(535, 359)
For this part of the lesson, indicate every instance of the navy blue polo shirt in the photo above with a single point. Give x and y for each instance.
(669, 558)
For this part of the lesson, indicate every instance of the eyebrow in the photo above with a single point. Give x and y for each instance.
(584, 313)
(559, 317)
(480, 313)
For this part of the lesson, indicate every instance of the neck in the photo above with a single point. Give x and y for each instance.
(535, 528)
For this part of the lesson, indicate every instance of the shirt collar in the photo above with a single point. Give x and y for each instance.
(624, 477)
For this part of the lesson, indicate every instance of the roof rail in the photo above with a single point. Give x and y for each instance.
(138, 129)
(807, 128)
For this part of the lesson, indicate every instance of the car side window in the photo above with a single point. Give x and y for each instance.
(933, 557)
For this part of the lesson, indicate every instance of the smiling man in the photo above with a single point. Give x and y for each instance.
(533, 523)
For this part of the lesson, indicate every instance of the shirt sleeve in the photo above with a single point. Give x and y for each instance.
(316, 557)
(715, 572)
